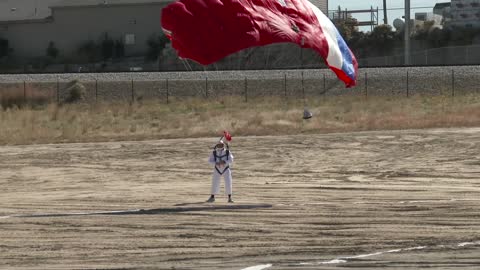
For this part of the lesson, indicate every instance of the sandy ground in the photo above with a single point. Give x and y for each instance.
(387, 200)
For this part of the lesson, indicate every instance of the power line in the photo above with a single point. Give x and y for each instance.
(410, 8)
(398, 8)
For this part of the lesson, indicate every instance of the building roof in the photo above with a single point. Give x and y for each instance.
(442, 5)
(89, 3)
(35, 10)
(19, 10)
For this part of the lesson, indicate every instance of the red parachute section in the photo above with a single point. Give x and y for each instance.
(209, 30)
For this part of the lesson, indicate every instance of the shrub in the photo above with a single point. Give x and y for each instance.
(76, 92)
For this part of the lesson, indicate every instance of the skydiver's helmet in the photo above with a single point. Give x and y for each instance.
(220, 146)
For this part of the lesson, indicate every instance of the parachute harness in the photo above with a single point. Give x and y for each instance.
(220, 158)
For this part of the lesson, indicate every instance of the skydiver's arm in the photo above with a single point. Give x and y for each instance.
(211, 159)
(230, 158)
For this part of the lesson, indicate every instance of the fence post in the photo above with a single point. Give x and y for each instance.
(246, 90)
(96, 90)
(58, 91)
(324, 85)
(303, 88)
(408, 94)
(366, 85)
(453, 83)
(285, 84)
(206, 87)
(166, 83)
(24, 92)
(133, 93)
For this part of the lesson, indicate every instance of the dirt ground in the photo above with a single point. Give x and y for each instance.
(386, 200)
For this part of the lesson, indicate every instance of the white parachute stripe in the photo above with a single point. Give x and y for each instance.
(334, 58)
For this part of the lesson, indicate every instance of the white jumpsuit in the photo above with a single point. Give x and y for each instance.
(221, 170)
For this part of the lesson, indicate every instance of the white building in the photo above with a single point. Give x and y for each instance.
(321, 4)
(465, 13)
(423, 17)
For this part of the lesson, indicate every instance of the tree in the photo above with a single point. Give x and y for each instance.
(358, 44)
(381, 40)
(90, 50)
(156, 44)
(462, 36)
(4, 49)
(119, 50)
(347, 28)
(52, 51)
(437, 37)
(107, 47)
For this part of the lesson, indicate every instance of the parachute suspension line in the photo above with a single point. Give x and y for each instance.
(186, 64)
(306, 113)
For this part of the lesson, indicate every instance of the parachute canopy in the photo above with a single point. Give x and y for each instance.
(208, 30)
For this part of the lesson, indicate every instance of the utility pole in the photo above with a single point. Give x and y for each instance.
(407, 32)
(385, 18)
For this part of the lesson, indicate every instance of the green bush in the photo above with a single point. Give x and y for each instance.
(76, 92)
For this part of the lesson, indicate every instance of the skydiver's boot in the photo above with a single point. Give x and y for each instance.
(230, 198)
(211, 199)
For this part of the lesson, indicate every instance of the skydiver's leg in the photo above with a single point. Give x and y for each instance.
(228, 184)
(215, 189)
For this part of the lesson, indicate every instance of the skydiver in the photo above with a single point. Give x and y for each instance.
(221, 158)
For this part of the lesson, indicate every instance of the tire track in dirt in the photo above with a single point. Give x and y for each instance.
(332, 197)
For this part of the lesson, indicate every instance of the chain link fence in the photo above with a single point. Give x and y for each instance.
(276, 56)
(445, 56)
(168, 87)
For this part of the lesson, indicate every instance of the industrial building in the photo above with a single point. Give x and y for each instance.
(69, 23)
(31, 25)
(465, 13)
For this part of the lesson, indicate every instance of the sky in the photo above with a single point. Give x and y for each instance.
(416, 5)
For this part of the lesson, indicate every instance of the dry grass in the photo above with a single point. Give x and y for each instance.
(198, 117)
(14, 95)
